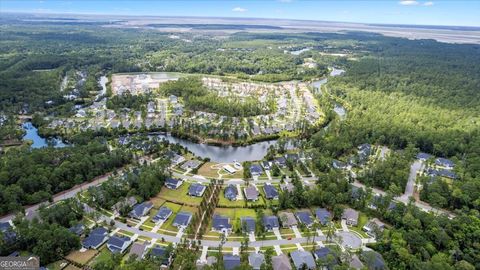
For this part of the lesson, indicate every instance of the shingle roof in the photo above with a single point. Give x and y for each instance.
(423, 156)
(248, 224)
(304, 217)
(230, 261)
(300, 258)
(117, 243)
(256, 260)
(251, 193)
(95, 238)
(256, 169)
(182, 219)
(444, 162)
(220, 222)
(270, 222)
(270, 191)
(374, 260)
(323, 255)
(281, 262)
(288, 219)
(196, 189)
(77, 229)
(231, 192)
(323, 215)
(138, 249)
(162, 214)
(141, 210)
(173, 183)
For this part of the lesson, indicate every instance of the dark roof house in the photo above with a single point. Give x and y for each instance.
(271, 192)
(231, 192)
(447, 163)
(281, 162)
(323, 215)
(270, 223)
(230, 262)
(118, 244)
(140, 210)
(251, 193)
(303, 259)
(196, 190)
(182, 219)
(138, 249)
(424, 156)
(373, 260)
(163, 214)
(304, 217)
(161, 253)
(221, 224)
(248, 224)
(77, 229)
(255, 260)
(326, 257)
(96, 238)
(256, 170)
(281, 262)
(172, 183)
(350, 216)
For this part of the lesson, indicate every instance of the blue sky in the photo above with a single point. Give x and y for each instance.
(388, 11)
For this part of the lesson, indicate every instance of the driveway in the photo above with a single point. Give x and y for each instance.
(349, 240)
(416, 166)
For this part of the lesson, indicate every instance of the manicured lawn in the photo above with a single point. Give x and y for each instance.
(359, 231)
(82, 257)
(102, 256)
(224, 202)
(126, 233)
(179, 195)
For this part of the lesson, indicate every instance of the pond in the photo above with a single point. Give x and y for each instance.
(38, 141)
(251, 152)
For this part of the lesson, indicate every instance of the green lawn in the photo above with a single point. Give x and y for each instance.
(104, 255)
(224, 202)
(179, 195)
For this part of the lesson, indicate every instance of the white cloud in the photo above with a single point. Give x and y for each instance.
(239, 9)
(408, 3)
(427, 4)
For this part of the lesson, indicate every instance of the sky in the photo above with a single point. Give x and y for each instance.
(420, 12)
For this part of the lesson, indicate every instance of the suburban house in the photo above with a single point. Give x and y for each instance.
(302, 258)
(118, 244)
(281, 262)
(139, 250)
(337, 164)
(77, 229)
(305, 218)
(376, 201)
(127, 202)
(248, 224)
(231, 262)
(196, 190)
(373, 226)
(161, 253)
(281, 162)
(251, 193)
(270, 223)
(292, 157)
(328, 259)
(350, 216)
(423, 156)
(288, 219)
(221, 224)
(229, 169)
(287, 187)
(267, 165)
(191, 164)
(96, 238)
(231, 192)
(9, 235)
(175, 158)
(443, 162)
(172, 183)
(182, 220)
(140, 210)
(163, 214)
(255, 260)
(364, 152)
(256, 170)
(323, 215)
(271, 192)
(441, 173)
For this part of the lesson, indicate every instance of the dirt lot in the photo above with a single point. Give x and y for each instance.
(82, 257)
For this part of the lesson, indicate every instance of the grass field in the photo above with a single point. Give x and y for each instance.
(224, 202)
(180, 195)
(102, 256)
(82, 257)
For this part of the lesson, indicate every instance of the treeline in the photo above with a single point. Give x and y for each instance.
(31, 176)
(127, 100)
(198, 98)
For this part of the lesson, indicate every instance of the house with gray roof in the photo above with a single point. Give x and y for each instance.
(256, 170)
(172, 183)
(221, 224)
(355, 263)
(196, 190)
(231, 192)
(118, 244)
(271, 192)
(373, 260)
(326, 257)
(190, 164)
(96, 238)
(323, 215)
(281, 262)
(443, 162)
(248, 224)
(230, 262)
(255, 260)
(373, 226)
(302, 259)
(281, 162)
(270, 223)
(251, 193)
(182, 220)
(77, 229)
(337, 164)
(288, 219)
(304, 218)
(163, 214)
(139, 250)
(287, 186)
(350, 216)
(140, 210)
(424, 156)
(161, 253)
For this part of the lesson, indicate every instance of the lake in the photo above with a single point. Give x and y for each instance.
(38, 141)
(230, 153)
